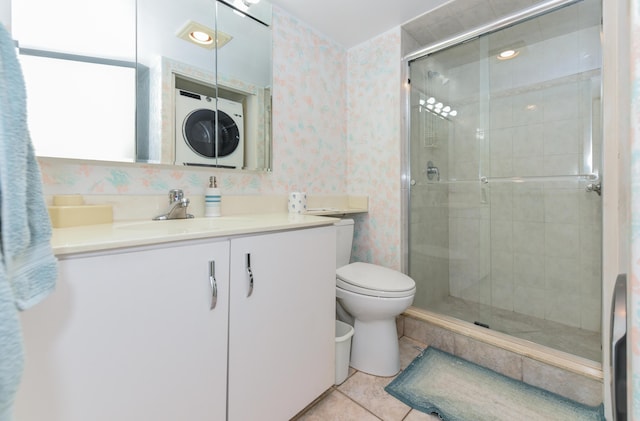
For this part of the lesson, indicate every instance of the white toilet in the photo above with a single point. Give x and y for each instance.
(373, 295)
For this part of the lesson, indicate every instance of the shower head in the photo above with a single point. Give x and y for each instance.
(436, 75)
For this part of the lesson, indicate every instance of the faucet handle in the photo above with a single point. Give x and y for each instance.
(432, 171)
(175, 195)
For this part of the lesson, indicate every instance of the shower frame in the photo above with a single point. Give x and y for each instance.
(499, 24)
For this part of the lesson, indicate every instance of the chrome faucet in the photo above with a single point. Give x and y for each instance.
(177, 207)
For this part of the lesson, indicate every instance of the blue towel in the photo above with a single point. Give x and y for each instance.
(27, 266)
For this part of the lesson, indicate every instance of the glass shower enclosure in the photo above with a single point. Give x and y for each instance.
(505, 218)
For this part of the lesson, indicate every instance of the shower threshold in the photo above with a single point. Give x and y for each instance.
(544, 354)
(572, 340)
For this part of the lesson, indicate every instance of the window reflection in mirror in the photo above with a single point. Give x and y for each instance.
(79, 75)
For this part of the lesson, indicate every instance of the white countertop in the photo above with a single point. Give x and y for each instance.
(334, 211)
(91, 238)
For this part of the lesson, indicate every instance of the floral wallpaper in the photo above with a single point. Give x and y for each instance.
(634, 301)
(373, 107)
(310, 123)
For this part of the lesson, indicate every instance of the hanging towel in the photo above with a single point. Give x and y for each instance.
(27, 266)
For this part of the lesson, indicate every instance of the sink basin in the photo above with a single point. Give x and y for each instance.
(185, 225)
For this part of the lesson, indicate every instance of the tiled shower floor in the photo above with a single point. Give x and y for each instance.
(580, 342)
(362, 397)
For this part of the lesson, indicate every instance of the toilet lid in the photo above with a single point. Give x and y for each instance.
(373, 277)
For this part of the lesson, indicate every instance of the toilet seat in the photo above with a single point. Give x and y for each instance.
(374, 280)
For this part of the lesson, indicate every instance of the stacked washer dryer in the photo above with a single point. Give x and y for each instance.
(196, 130)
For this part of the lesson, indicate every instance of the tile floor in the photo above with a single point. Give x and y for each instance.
(362, 397)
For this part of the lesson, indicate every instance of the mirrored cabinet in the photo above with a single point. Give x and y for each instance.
(149, 81)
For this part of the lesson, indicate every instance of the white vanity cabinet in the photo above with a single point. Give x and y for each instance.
(130, 336)
(281, 335)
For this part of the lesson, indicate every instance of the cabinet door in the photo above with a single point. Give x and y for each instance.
(130, 336)
(281, 333)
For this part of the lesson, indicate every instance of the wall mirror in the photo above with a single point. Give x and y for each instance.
(125, 80)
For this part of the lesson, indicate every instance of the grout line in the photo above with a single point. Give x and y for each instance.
(358, 403)
(314, 403)
(414, 344)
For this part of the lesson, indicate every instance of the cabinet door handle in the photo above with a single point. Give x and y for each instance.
(250, 273)
(214, 284)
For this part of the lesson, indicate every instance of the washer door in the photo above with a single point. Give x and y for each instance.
(199, 133)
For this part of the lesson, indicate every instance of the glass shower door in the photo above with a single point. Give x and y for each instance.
(449, 218)
(505, 214)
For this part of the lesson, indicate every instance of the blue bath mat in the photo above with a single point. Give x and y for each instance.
(458, 390)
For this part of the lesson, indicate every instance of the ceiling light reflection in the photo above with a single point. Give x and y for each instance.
(508, 54)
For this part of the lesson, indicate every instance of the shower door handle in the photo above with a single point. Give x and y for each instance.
(594, 187)
(619, 349)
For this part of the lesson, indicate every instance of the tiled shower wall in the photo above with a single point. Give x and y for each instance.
(531, 247)
(429, 220)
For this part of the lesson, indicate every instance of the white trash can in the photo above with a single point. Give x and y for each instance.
(344, 332)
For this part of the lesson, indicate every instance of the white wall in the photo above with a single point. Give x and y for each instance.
(5, 14)
(617, 186)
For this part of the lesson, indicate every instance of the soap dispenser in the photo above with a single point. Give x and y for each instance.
(212, 198)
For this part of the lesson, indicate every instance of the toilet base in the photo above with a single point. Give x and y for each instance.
(374, 348)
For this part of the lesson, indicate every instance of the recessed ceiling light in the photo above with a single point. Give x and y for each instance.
(203, 36)
(244, 5)
(241, 5)
(508, 54)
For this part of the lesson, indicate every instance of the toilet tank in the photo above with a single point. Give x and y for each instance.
(344, 241)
